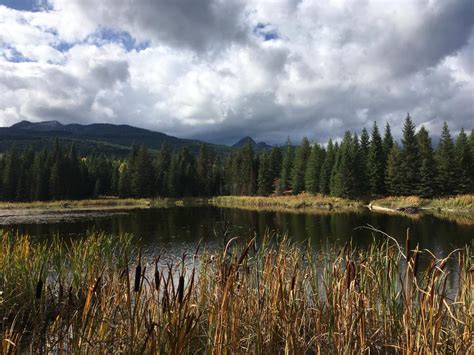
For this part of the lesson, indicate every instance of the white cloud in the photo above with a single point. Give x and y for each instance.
(208, 71)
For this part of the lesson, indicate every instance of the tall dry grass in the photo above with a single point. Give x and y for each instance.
(98, 296)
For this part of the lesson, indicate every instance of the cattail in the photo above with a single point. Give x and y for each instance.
(407, 245)
(39, 288)
(181, 289)
(350, 273)
(415, 261)
(138, 273)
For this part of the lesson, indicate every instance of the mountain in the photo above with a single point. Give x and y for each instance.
(99, 137)
(249, 140)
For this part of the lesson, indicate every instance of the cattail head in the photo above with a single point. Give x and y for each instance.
(39, 288)
(138, 273)
(407, 245)
(181, 289)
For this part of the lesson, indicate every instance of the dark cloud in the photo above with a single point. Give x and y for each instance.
(219, 70)
(197, 24)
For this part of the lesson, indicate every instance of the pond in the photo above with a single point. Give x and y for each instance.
(172, 231)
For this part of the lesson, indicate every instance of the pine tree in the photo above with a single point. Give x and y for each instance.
(426, 187)
(342, 181)
(206, 170)
(326, 169)
(299, 166)
(265, 181)
(387, 143)
(142, 173)
(375, 163)
(276, 159)
(410, 159)
(446, 163)
(163, 163)
(313, 169)
(465, 164)
(10, 175)
(287, 166)
(393, 177)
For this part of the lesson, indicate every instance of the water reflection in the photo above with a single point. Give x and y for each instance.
(173, 230)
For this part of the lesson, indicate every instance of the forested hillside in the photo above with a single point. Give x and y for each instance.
(370, 165)
(98, 138)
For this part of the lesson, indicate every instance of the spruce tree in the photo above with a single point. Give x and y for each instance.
(313, 169)
(375, 163)
(387, 143)
(299, 166)
(10, 175)
(326, 169)
(276, 159)
(206, 170)
(410, 159)
(393, 177)
(287, 166)
(163, 163)
(465, 164)
(364, 155)
(426, 186)
(446, 163)
(265, 181)
(142, 173)
(342, 181)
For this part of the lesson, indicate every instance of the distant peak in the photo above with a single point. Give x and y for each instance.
(244, 141)
(249, 140)
(38, 126)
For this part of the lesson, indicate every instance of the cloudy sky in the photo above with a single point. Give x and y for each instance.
(219, 70)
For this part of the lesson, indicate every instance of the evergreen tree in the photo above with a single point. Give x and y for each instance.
(163, 163)
(313, 169)
(287, 167)
(393, 178)
(206, 170)
(265, 181)
(410, 159)
(299, 166)
(426, 187)
(124, 185)
(375, 163)
(387, 143)
(342, 181)
(276, 159)
(326, 169)
(10, 175)
(465, 164)
(446, 163)
(142, 173)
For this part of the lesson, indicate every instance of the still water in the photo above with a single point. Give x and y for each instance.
(172, 231)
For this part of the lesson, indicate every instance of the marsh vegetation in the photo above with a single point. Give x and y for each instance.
(99, 295)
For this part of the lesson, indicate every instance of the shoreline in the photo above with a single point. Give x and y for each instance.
(450, 207)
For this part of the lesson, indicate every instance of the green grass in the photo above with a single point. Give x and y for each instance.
(98, 296)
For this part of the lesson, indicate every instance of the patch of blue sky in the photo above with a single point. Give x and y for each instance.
(27, 5)
(266, 31)
(105, 35)
(14, 56)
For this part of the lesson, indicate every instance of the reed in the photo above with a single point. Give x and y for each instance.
(99, 295)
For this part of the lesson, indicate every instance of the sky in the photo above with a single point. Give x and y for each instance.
(219, 70)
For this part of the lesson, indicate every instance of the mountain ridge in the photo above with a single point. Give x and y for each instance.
(108, 138)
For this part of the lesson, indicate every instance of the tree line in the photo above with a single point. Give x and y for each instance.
(370, 165)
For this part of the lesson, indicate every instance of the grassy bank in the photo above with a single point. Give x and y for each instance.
(77, 204)
(302, 201)
(460, 203)
(93, 297)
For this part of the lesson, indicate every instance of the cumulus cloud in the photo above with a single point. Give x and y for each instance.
(222, 69)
